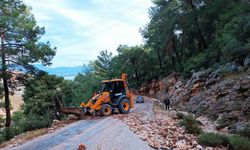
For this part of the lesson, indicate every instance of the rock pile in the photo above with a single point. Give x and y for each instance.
(225, 99)
(162, 132)
(159, 131)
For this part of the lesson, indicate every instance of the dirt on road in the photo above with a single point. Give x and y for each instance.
(103, 133)
(157, 127)
(146, 127)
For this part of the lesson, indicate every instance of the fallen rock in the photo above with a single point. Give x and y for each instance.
(56, 122)
(199, 147)
(82, 147)
(72, 117)
(50, 130)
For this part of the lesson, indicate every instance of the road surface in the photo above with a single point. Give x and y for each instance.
(105, 133)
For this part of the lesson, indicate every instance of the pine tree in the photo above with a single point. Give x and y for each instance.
(20, 46)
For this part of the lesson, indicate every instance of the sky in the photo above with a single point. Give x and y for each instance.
(80, 29)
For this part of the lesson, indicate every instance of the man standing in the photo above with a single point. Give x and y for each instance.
(167, 102)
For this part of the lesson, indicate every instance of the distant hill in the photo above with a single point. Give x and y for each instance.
(66, 72)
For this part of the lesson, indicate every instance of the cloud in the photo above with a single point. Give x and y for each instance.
(80, 29)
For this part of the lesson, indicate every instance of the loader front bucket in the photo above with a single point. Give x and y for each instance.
(78, 111)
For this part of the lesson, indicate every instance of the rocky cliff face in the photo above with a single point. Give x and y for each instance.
(222, 95)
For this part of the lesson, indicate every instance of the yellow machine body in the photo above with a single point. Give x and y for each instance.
(115, 94)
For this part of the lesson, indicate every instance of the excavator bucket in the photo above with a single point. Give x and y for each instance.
(75, 111)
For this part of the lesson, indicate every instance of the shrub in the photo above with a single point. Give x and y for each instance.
(239, 143)
(23, 123)
(196, 62)
(2, 121)
(7, 133)
(36, 122)
(179, 115)
(190, 124)
(20, 121)
(41, 122)
(245, 132)
(213, 139)
(29, 122)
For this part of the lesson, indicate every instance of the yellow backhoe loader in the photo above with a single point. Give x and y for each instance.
(114, 94)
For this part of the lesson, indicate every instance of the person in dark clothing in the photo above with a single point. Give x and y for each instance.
(167, 103)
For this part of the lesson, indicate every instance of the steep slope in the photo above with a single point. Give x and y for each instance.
(222, 97)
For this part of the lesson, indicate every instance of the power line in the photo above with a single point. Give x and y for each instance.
(108, 19)
(102, 22)
(107, 28)
(117, 24)
(102, 30)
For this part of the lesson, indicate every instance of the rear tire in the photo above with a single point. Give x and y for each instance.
(124, 106)
(106, 110)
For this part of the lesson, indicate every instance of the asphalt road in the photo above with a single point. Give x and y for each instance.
(106, 133)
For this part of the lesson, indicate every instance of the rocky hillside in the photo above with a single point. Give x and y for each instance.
(223, 95)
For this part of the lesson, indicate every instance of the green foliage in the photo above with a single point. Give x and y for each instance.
(1, 91)
(181, 36)
(135, 61)
(7, 133)
(85, 85)
(103, 66)
(213, 139)
(193, 35)
(23, 123)
(245, 132)
(195, 63)
(21, 35)
(22, 32)
(1, 121)
(67, 92)
(180, 115)
(43, 95)
(191, 125)
(20, 45)
(239, 143)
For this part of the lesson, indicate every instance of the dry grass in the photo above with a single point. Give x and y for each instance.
(16, 101)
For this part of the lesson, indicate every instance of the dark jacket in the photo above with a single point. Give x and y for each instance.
(167, 101)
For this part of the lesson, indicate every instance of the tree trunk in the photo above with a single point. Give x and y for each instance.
(198, 25)
(182, 46)
(172, 58)
(174, 48)
(5, 83)
(57, 106)
(136, 72)
(159, 58)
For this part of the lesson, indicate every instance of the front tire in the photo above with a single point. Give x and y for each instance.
(106, 110)
(124, 106)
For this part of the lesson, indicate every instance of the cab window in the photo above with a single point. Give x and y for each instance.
(119, 87)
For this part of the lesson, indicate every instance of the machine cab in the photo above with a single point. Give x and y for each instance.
(114, 87)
